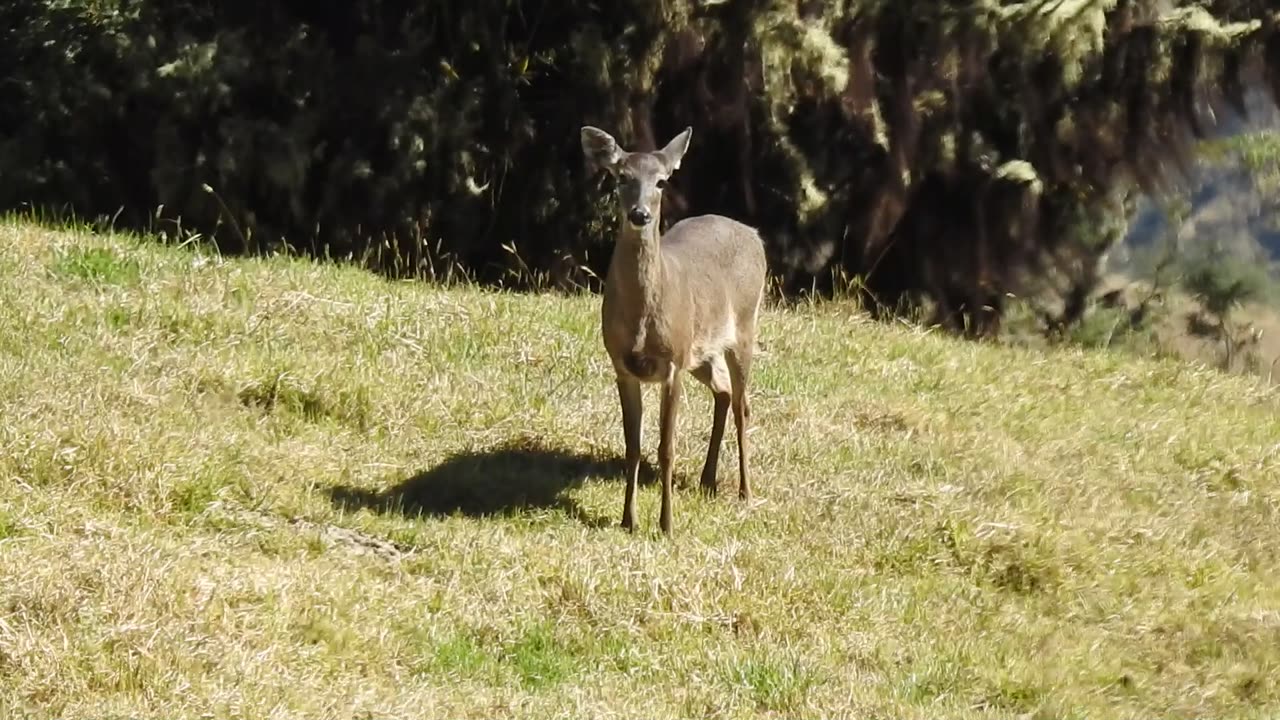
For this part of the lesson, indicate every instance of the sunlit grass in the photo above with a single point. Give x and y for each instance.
(277, 489)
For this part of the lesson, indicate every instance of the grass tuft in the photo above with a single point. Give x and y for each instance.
(780, 683)
(458, 657)
(99, 265)
(539, 658)
(9, 527)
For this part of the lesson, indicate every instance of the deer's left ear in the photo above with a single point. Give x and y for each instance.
(675, 150)
(600, 148)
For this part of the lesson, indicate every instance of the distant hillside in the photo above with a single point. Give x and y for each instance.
(1230, 211)
(1233, 201)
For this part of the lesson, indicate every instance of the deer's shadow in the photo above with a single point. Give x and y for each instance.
(509, 479)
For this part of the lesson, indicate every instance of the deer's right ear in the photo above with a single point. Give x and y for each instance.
(675, 150)
(600, 149)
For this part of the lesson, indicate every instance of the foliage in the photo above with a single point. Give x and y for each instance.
(1221, 285)
(944, 151)
(1106, 326)
(1256, 154)
(1258, 151)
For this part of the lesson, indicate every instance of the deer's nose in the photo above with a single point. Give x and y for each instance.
(639, 216)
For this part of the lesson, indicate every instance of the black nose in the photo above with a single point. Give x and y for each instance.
(639, 216)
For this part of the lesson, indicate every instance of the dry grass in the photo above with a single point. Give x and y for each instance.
(275, 489)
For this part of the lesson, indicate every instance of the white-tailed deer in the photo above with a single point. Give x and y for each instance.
(686, 300)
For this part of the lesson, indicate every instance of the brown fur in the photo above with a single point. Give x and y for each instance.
(686, 301)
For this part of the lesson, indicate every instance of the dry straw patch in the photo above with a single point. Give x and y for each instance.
(277, 489)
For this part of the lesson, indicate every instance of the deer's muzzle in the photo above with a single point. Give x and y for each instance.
(639, 216)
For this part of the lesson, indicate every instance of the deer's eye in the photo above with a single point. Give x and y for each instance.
(662, 183)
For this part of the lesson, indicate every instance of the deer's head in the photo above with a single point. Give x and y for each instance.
(641, 176)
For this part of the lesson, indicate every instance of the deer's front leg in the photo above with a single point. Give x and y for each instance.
(666, 446)
(632, 411)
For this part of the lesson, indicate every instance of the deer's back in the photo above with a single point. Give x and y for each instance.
(717, 249)
(719, 266)
(716, 254)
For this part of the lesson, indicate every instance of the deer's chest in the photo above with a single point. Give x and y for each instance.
(640, 347)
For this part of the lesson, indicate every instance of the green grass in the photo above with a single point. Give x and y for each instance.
(274, 488)
(99, 265)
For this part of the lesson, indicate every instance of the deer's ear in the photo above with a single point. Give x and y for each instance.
(675, 150)
(600, 149)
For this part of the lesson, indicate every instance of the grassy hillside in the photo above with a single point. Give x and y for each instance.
(275, 489)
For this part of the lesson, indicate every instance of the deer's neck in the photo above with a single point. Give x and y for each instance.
(637, 265)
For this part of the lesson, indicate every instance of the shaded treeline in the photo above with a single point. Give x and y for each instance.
(944, 152)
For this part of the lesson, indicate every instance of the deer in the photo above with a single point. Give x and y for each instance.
(687, 300)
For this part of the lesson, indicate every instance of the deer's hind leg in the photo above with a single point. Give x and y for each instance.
(714, 373)
(669, 411)
(739, 370)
